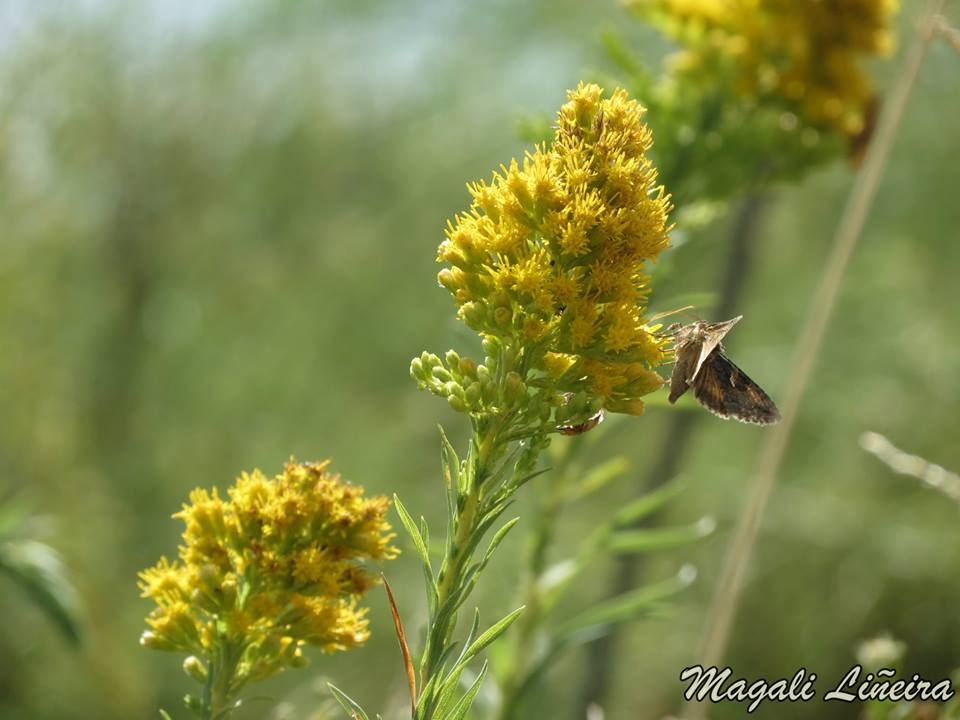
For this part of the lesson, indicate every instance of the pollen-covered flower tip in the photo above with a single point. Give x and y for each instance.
(552, 257)
(279, 564)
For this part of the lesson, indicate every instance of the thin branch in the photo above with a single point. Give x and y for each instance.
(723, 608)
(913, 465)
(942, 28)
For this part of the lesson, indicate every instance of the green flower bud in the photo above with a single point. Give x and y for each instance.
(453, 359)
(483, 374)
(468, 367)
(195, 669)
(514, 389)
(194, 703)
(473, 393)
(453, 389)
(474, 314)
(417, 370)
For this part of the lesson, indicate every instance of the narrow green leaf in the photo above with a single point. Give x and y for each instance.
(496, 540)
(630, 542)
(39, 570)
(448, 694)
(600, 476)
(468, 641)
(425, 534)
(420, 546)
(501, 474)
(628, 606)
(347, 703)
(452, 471)
(165, 715)
(490, 634)
(647, 504)
(460, 710)
(413, 531)
(426, 699)
(522, 480)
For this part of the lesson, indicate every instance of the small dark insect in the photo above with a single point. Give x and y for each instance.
(580, 428)
(719, 385)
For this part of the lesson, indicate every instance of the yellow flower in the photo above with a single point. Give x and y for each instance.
(276, 566)
(805, 53)
(551, 258)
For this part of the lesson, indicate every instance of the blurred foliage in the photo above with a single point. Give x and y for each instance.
(38, 569)
(217, 237)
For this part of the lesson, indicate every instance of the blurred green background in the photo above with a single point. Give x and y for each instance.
(218, 226)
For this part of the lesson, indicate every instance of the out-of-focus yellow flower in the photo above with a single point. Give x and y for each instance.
(275, 567)
(804, 52)
(551, 257)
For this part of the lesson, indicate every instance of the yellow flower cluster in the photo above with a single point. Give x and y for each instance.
(806, 52)
(550, 258)
(274, 567)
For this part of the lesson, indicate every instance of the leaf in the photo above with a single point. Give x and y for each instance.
(404, 648)
(165, 715)
(628, 606)
(421, 548)
(450, 465)
(39, 570)
(487, 637)
(558, 574)
(460, 710)
(413, 531)
(347, 703)
(600, 476)
(522, 480)
(496, 540)
(630, 542)
(468, 641)
(648, 504)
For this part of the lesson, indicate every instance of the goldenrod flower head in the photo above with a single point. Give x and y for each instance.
(549, 263)
(276, 566)
(804, 53)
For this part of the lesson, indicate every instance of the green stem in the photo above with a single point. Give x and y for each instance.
(488, 442)
(219, 691)
(525, 635)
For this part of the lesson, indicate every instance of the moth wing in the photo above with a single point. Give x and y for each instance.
(726, 390)
(713, 334)
(679, 380)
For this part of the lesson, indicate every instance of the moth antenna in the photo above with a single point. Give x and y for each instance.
(668, 313)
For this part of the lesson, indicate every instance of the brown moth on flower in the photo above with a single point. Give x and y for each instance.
(718, 384)
(580, 428)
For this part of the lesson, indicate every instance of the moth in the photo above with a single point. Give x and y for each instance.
(580, 428)
(719, 385)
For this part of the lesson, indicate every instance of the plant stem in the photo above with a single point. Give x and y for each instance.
(723, 608)
(738, 264)
(218, 694)
(525, 635)
(461, 543)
